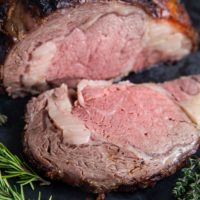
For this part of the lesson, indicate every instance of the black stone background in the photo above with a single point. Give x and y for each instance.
(10, 134)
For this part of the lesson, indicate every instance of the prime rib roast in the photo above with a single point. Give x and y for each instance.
(101, 136)
(97, 40)
(113, 136)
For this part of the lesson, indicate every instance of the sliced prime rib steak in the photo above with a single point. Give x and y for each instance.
(100, 40)
(113, 137)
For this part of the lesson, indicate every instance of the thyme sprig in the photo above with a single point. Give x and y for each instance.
(188, 186)
(16, 168)
(3, 119)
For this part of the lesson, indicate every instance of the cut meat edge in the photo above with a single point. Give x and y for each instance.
(160, 166)
(186, 92)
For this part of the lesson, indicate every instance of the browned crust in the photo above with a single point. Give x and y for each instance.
(147, 182)
(171, 11)
(166, 10)
(53, 174)
(17, 20)
(179, 17)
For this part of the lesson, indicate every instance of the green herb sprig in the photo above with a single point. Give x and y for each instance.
(3, 119)
(188, 186)
(16, 168)
(9, 193)
(12, 193)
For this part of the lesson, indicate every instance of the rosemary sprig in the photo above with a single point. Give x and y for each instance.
(3, 119)
(11, 193)
(16, 168)
(188, 186)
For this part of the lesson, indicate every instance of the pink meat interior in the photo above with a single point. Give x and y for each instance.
(88, 52)
(133, 117)
(183, 88)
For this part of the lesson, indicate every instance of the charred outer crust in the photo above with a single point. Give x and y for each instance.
(5, 40)
(52, 173)
(170, 10)
(174, 12)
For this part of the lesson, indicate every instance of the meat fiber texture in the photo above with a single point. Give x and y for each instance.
(186, 91)
(98, 41)
(112, 137)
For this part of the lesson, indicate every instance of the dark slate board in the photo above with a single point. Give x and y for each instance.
(10, 134)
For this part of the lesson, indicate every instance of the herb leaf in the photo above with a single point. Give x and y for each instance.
(188, 186)
(3, 119)
(16, 168)
(9, 193)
